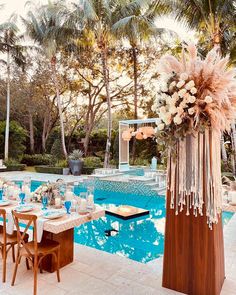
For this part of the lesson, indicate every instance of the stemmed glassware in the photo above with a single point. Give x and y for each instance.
(22, 198)
(44, 201)
(67, 206)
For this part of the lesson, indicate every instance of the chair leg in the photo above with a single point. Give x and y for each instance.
(15, 270)
(35, 279)
(13, 253)
(58, 265)
(4, 255)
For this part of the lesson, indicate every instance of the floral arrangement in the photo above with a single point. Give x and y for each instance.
(49, 189)
(194, 94)
(195, 102)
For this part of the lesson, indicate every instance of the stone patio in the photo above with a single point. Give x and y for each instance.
(96, 272)
(99, 273)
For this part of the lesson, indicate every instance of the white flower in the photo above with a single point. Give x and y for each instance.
(44, 189)
(208, 99)
(184, 76)
(180, 83)
(189, 85)
(173, 84)
(161, 126)
(173, 109)
(177, 120)
(175, 96)
(191, 99)
(193, 90)
(167, 118)
(180, 110)
(162, 110)
(153, 108)
(191, 111)
(183, 105)
(182, 92)
(164, 87)
(169, 100)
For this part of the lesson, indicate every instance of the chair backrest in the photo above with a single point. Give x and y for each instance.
(4, 226)
(31, 220)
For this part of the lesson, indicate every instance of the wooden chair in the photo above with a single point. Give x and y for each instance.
(7, 242)
(33, 251)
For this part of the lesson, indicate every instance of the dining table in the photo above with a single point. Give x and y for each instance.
(59, 229)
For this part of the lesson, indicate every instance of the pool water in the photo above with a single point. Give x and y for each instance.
(140, 239)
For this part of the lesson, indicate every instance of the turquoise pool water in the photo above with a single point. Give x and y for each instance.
(140, 239)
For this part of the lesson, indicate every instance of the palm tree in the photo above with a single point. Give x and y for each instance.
(215, 20)
(97, 15)
(10, 45)
(48, 29)
(135, 23)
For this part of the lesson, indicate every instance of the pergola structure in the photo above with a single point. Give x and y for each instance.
(124, 125)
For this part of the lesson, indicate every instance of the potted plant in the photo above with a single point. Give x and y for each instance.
(76, 162)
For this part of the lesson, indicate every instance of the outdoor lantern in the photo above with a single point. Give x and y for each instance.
(126, 135)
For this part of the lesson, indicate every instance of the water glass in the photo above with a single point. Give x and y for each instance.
(44, 202)
(22, 198)
(67, 206)
(1, 194)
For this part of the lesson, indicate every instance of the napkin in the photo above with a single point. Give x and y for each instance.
(40, 225)
(10, 223)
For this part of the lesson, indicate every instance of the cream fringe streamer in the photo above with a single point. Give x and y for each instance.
(194, 175)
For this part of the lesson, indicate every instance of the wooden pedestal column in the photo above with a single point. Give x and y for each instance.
(194, 254)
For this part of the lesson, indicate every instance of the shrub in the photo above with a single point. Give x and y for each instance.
(49, 169)
(56, 150)
(14, 165)
(92, 162)
(37, 159)
(62, 164)
(17, 137)
(141, 162)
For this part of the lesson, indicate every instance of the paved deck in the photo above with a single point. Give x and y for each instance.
(99, 273)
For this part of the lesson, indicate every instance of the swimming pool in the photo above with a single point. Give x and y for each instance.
(140, 239)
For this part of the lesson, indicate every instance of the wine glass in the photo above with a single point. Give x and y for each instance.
(44, 202)
(67, 206)
(22, 198)
(1, 194)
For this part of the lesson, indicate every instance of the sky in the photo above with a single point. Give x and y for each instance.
(18, 6)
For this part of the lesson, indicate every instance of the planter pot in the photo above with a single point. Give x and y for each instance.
(66, 171)
(76, 166)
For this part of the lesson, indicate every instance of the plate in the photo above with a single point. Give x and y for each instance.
(4, 203)
(53, 214)
(24, 208)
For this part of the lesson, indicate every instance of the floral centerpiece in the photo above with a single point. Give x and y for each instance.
(195, 103)
(50, 189)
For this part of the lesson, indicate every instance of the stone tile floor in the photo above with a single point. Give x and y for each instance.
(99, 273)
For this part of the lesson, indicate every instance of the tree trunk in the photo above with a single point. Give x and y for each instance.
(135, 69)
(216, 45)
(109, 116)
(6, 152)
(233, 142)
(31, 131)
(54, 72)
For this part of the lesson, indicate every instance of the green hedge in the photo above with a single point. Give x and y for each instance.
(49, 169)
(59, 170)
(92, 162)
(37, 159)
(87, 170)
(16, 167)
